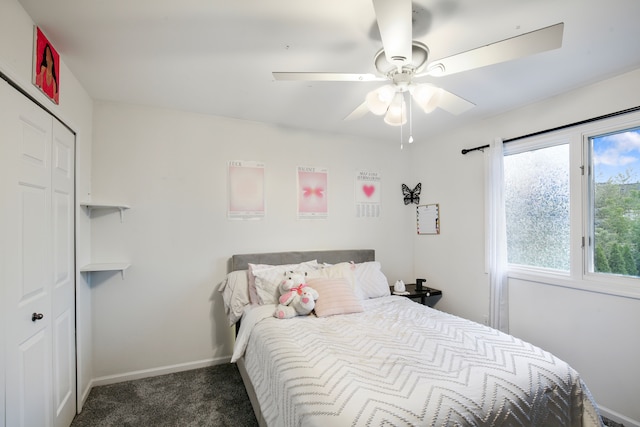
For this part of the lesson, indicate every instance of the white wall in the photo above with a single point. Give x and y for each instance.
(75, 109)
(170, 167)
(453, 260)
(595, 333)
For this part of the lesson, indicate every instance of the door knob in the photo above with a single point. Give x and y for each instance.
(36, 316)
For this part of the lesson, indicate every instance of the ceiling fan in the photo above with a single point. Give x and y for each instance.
(402, 60)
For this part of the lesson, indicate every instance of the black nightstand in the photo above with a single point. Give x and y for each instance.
(428, 296)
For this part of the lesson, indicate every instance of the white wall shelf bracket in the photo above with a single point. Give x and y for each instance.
(90, 206)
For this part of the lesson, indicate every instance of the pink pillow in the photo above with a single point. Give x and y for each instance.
(335, 297)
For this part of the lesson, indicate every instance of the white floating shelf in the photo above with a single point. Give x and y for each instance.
(106, 266)
(119, 206)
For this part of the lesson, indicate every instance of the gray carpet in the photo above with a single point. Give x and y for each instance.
(213, 396)
(609, 423)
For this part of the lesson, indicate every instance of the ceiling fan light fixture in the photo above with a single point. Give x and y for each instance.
(378, 100)
(397, 112)
(427, 96)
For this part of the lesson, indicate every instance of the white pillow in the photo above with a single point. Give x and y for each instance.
(370, 281)
(235, 293)
(268, 279)
(336, 271)
(253, 294)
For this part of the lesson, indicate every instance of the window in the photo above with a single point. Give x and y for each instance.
(537, 207)
(573, 204)
(615, 202)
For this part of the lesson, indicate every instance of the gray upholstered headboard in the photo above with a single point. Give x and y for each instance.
(240, 262)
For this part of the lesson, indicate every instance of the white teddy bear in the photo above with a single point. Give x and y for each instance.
(296, 298)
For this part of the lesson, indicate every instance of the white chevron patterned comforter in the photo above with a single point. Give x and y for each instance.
(403, 364)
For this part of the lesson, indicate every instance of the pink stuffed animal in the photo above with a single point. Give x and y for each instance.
(296, 299)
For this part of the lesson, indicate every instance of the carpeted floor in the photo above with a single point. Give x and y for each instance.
(213, 396)
(609, 423)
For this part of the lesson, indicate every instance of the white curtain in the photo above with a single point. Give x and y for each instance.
(497, 239)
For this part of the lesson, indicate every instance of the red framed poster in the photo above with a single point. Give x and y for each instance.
(46, 66)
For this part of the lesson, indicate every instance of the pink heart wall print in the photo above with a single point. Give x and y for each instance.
(368, 190)
(367, 194)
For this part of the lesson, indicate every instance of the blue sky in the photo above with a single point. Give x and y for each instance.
(617, 153)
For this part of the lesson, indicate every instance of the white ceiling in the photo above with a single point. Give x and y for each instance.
(216, 57)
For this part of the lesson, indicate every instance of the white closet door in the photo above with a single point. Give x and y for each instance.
(27, 150)
(63, 276)
(37, 222)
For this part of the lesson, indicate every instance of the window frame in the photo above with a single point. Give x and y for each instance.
(581, 258)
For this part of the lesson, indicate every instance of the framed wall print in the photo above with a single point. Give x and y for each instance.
(428, 219)
(46, 66)
(246, 190)
(312, 192)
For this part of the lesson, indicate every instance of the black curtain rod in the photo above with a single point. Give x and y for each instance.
(581, 122)
(17, 87)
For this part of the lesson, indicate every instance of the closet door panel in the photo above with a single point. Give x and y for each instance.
(33, 239)
(30, 396)
(63, 369)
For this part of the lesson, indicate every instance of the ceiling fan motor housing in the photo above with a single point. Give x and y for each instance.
(420, 54)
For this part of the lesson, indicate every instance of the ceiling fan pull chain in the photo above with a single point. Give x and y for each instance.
(410, 121)
(401, 120)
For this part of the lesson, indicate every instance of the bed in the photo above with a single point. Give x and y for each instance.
(382, 359)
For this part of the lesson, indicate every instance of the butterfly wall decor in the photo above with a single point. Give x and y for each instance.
(411, 196)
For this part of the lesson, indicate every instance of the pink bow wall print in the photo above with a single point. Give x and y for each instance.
(312, 192)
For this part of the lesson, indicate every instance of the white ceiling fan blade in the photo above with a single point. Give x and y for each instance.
(360, 111)
(326, 77)
(453, 103)
(537, 41)
(396, 29)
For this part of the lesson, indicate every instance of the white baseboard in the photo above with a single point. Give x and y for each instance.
(619, 418)
(154, 372)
